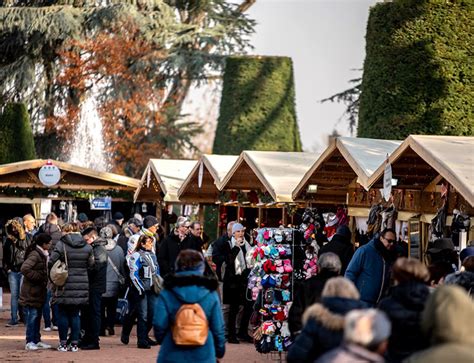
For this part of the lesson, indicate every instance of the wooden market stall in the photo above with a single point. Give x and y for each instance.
(161, 181)
(341, 175)
(432, 172)
(204, 181)
(264, 181)
(20, 183)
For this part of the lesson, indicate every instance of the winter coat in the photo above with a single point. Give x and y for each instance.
(189, 288)
(447, 322)
(369, 272)
(98, 275)
(169, 250)
(307, 294)
(323, 328)
(464, 279)
(234, 285)
(341, 246)
(80, 259)
(404, 307)
(35, 279)
(350, 353)
(220, 253)
(137, 263)
(114, 254)
(15, 246)
(54, 231)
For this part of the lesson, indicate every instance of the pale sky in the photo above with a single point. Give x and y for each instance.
(325, 39)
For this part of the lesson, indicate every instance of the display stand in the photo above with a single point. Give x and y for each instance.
(271, 287)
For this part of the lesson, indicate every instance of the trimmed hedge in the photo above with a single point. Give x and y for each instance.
(16, 137)
(418, 70)
(257, 109)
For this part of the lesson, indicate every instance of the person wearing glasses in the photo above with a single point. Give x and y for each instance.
(173, 244)
(370, 267)
(195, 229)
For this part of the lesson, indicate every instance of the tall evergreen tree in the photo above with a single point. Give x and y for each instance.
(257, 110)
(418, 74)
(16, 135)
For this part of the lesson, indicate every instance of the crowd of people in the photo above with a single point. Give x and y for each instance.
(367, 305)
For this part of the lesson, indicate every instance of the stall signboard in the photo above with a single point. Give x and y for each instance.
(49, 174)
(101, 203)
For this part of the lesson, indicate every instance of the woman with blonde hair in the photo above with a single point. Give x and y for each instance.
(324, 322)
(404, 306)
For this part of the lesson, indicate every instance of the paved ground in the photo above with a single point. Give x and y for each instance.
(12, 348)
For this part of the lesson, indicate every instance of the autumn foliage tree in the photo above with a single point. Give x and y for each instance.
(118, 68)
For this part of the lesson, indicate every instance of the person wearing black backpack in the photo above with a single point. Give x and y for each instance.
(188, 320)
(115, 281)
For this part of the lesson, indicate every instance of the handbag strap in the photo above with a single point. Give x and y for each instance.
(114, 267)
(65, 254)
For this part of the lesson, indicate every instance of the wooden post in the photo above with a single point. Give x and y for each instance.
(260, 216)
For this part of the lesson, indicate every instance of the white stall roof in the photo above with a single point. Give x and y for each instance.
(170, 174)
(217, 165)
(363, 155)
(451, 156)
(366, 155)
(278, 171)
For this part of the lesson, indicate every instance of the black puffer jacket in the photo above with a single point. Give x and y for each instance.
(404, 306)
(80, 259)
(323, 328)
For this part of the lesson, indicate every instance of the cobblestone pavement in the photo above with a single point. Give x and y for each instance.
(12, 348)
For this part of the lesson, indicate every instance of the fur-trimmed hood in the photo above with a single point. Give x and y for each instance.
(331, 311)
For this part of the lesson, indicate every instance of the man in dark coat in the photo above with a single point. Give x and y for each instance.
(195, 231)
(309, 292)
(370, 267)
(91, 314)
(221, 249)
(174, 243)
(117, 221)
(341, 245)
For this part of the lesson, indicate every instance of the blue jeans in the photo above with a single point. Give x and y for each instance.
(68, 317)
(47, 311)
(14, 279)
(32, 320)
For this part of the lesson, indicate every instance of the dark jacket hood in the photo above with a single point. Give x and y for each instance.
(73, 240)
(411, 294)
(189, 287)
(331, 311)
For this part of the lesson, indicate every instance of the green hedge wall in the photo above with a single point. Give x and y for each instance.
(16, 137)
(418, 71)
(257, 109)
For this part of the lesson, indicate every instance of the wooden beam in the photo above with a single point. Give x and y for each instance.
(431, 187)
